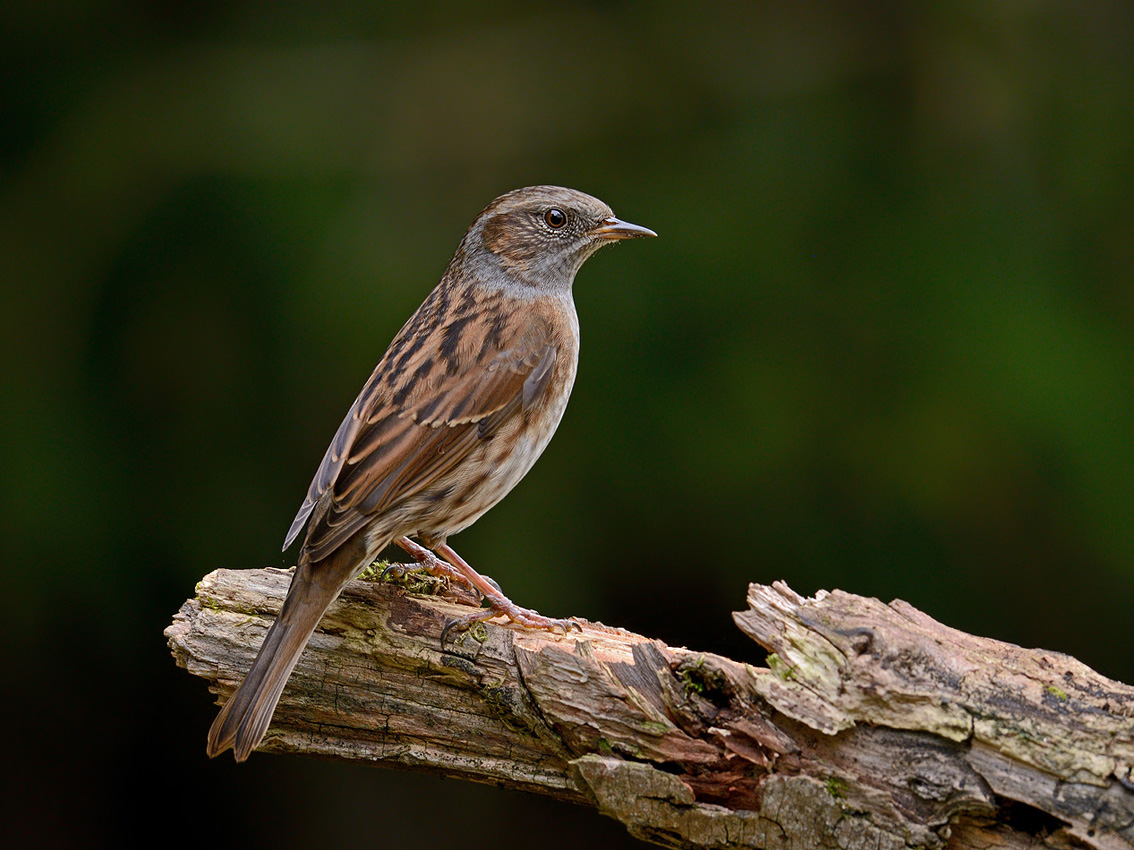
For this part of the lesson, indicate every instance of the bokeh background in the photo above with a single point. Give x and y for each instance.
(885, 343)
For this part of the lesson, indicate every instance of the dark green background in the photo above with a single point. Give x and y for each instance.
(884, 343)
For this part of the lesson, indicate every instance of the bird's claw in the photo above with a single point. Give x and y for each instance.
(395, 571)
(463, 624)
(523, 617)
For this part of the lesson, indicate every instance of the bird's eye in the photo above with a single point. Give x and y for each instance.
(555, 218)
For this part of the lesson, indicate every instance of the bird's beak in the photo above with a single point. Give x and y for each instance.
(614, 228)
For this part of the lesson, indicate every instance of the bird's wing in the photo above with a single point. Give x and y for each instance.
(416, 419)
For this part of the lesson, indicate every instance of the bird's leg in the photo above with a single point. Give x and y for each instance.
(501, 604)
(429, 562)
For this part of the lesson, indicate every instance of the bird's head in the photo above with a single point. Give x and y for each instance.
(542, 235)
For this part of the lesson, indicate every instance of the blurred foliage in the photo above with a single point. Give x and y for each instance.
(884, 343)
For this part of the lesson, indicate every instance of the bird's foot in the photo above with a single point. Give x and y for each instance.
(428, 562)
(502, 606)
(453, 566)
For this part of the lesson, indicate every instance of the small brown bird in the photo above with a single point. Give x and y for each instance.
(462, 403)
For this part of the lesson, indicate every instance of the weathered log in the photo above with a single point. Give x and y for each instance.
(872, 725)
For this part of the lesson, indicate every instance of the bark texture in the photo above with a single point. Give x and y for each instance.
(871, 726)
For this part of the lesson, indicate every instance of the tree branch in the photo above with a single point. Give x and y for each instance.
(872, 726)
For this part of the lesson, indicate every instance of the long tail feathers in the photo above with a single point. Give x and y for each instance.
(244, 719)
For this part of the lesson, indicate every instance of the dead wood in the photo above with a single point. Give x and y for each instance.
(872, 725)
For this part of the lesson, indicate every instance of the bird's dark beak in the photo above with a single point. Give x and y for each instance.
(614, 228)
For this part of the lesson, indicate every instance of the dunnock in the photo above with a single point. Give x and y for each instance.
(462, 403)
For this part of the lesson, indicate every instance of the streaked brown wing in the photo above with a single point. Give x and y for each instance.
(385, 452)
(330, 465)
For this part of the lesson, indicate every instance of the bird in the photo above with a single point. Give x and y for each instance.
(462, 403)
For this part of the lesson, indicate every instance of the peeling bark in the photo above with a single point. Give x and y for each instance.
(872, 725)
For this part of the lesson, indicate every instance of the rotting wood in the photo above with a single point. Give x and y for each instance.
(872, 725)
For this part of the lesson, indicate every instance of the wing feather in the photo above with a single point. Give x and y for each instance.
(451, 396)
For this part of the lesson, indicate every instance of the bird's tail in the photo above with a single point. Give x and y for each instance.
(244, 719)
